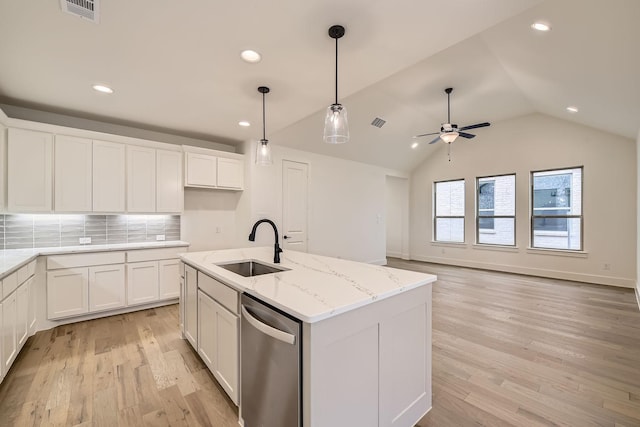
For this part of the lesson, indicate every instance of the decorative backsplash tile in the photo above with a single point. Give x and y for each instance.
(42, 231)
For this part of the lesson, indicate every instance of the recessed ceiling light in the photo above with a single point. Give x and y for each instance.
(250, 56)
(244, 123)
(541, 26)
(414, 145)
(572, 109)
(102, 88)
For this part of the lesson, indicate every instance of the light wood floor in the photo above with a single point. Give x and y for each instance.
(508, 350)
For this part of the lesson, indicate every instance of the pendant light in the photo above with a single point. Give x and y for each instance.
(336, 128)
(263, 150)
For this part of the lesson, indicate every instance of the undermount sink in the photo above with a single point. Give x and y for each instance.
(250, 268)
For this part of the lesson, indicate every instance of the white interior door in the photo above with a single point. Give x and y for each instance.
(295, 176)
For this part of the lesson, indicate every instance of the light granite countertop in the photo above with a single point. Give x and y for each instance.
(13, 259)
(314, 287)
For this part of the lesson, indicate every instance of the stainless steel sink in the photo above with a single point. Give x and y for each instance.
(250, 268)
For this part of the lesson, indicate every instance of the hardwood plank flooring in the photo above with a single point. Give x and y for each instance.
(508, 350)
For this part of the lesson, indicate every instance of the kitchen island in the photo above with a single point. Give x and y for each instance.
(366, 332)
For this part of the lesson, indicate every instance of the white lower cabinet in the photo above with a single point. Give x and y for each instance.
(191, 305)
(67, 292)
(169, 278)
(9, 341)
(218, 343)
(22, 314)
(107, 287)
(142, 282)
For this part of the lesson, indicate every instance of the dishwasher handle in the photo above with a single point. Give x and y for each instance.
(268, 330)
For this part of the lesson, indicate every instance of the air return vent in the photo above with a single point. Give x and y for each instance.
(378, 122)
(85, 9)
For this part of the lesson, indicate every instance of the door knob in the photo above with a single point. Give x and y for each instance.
(285, 237)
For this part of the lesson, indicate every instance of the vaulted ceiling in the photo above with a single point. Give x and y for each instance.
(175, 67)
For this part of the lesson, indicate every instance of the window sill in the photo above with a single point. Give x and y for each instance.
(500, 248)
(558, 252)
(551, 233)
(448, 244)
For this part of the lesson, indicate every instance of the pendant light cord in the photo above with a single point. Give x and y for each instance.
(336, 70)
(449, 109)
(264, 121)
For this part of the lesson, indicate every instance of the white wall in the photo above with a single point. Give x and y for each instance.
(209, 218)
(346, 204)
(537, 142)
(397, 216)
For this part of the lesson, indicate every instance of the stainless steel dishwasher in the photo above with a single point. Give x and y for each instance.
(270, 366)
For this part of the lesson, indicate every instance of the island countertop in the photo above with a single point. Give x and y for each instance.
(313, 287)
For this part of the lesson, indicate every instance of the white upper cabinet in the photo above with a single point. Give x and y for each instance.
(200, 170)
(3, 166)
(213, 169)
(108, 176)
(230, 173)
(72, 174)
(141, 179)
(29, 171)
(169, 188)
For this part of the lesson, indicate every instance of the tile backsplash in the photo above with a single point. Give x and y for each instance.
(41, 231)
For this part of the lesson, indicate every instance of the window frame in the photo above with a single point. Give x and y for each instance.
(515, 195)
(533, 217)
(436, 217)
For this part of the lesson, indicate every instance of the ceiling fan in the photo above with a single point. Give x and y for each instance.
(449, 132)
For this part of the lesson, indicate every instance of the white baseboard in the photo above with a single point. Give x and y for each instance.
(638, 294)
(553, 274)
(382, 261)
(394, 254)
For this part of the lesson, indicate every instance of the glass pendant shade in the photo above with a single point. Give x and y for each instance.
(336, 127)
(449, 137)
(263, 153)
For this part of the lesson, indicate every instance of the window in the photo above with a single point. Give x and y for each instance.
(556, 217)
(448, 220)
(496, 210)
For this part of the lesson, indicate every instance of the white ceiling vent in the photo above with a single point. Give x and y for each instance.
(378, 122)
(85, 9)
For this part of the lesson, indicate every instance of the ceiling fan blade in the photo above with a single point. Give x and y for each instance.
(435, 140)
(426, 134)
(466, 135)
(476, 126)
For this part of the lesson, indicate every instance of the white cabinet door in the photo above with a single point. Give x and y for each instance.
(22, 314)
(29, 171)
(108, 177)
(230, 173)
(142, 282)
(3, 168)
(169, 272)
(72, 174)
(141, 179)
(31, 311)
(206, 325)
(218, 343)
(191, 305)
(107, 287)
(67, 292)
(225, 337)
(9, 341)
(170, 191)
(200, 170)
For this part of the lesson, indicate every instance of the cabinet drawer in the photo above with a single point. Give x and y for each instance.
(219, 292)
(84, 260)
(26, 271)
(154, 254)
(9, 284)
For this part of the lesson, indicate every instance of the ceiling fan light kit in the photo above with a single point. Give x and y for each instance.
(336, 127)
(263, 150)
(449, 132)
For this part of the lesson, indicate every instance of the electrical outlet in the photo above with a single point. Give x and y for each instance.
(159, 237)
(606, 267)
(84, 240)
(218, 230)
